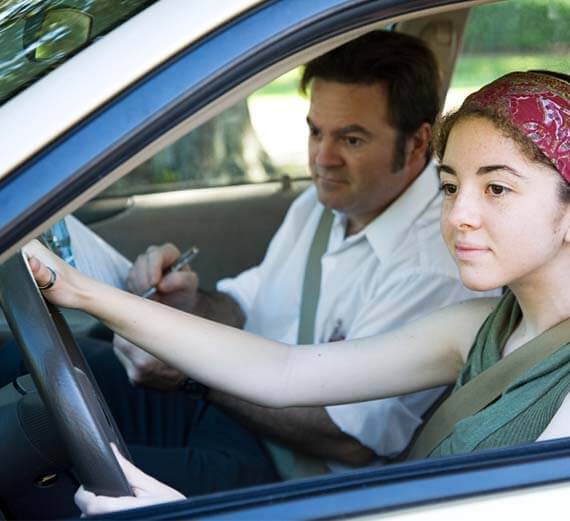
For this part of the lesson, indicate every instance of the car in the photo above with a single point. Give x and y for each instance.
(188, 101)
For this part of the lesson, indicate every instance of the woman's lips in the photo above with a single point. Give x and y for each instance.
(469, 252)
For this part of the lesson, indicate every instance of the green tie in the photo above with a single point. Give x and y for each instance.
(312, 280)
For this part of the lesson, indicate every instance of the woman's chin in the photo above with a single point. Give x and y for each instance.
(480, 283)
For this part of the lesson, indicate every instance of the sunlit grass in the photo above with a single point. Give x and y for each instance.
(478, 70)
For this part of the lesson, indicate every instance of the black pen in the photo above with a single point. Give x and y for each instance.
(186, 258)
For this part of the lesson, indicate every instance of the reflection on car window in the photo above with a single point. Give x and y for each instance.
(36, 36)
(508, 36)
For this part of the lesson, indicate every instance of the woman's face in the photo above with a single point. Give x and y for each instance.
(502, 219)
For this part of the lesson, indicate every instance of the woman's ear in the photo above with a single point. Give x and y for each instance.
(566, 223)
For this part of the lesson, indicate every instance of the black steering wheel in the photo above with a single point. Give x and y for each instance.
(63, 380)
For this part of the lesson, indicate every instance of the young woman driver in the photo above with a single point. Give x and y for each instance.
(505, 176)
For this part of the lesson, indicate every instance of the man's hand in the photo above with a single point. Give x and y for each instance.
(143, 369)
(146, 490)
(178, 290)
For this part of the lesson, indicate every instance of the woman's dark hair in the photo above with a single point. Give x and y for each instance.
(527, 146)
(404, 63)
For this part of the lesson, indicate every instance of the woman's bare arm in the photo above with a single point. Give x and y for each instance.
(422, 354)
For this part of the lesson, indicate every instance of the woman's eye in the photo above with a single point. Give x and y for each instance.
(497, 189)
(448, 188)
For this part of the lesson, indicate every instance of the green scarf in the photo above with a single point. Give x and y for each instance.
(527, 406)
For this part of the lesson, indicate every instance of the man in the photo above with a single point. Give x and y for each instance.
(373, 103)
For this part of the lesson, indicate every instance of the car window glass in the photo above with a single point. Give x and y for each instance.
(256, 140)
(38, 36)
(508, 36)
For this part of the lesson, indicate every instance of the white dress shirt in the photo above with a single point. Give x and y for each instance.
(394, 270)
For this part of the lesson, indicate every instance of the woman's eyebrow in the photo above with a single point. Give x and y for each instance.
(482, 170)
(491, 168)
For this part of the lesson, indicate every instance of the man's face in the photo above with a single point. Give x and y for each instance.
(352, 148)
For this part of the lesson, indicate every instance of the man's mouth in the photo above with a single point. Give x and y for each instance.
(330, 179)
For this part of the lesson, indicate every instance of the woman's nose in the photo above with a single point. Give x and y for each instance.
(464, 212)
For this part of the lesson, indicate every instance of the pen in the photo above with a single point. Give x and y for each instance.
(186, 258)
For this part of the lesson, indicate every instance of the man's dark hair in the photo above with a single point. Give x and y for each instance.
(404, 63)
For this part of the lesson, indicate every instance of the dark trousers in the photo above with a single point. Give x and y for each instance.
(188, 444)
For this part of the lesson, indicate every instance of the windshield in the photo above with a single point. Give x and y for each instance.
(36, 36)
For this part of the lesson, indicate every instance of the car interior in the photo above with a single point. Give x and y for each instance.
(219, 185)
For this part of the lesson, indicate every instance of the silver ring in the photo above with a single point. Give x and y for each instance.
(51, 281)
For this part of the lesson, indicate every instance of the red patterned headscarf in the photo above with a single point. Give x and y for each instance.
(539, 106)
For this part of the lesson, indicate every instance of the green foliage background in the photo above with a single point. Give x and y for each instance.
(497, 27)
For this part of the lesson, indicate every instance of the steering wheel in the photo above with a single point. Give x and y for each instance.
(63, 380)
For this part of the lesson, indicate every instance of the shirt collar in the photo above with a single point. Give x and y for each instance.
(388, 229)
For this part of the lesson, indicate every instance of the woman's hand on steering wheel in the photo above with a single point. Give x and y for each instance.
(147, 491)
(60, 283)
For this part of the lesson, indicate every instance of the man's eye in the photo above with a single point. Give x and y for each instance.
(495, 189)
(353, 141)
(448, 188)
(314, 132)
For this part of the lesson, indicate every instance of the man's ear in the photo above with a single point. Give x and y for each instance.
(419, 143)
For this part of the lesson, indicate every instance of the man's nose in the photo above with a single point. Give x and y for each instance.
(465, 212)
(326, 154)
